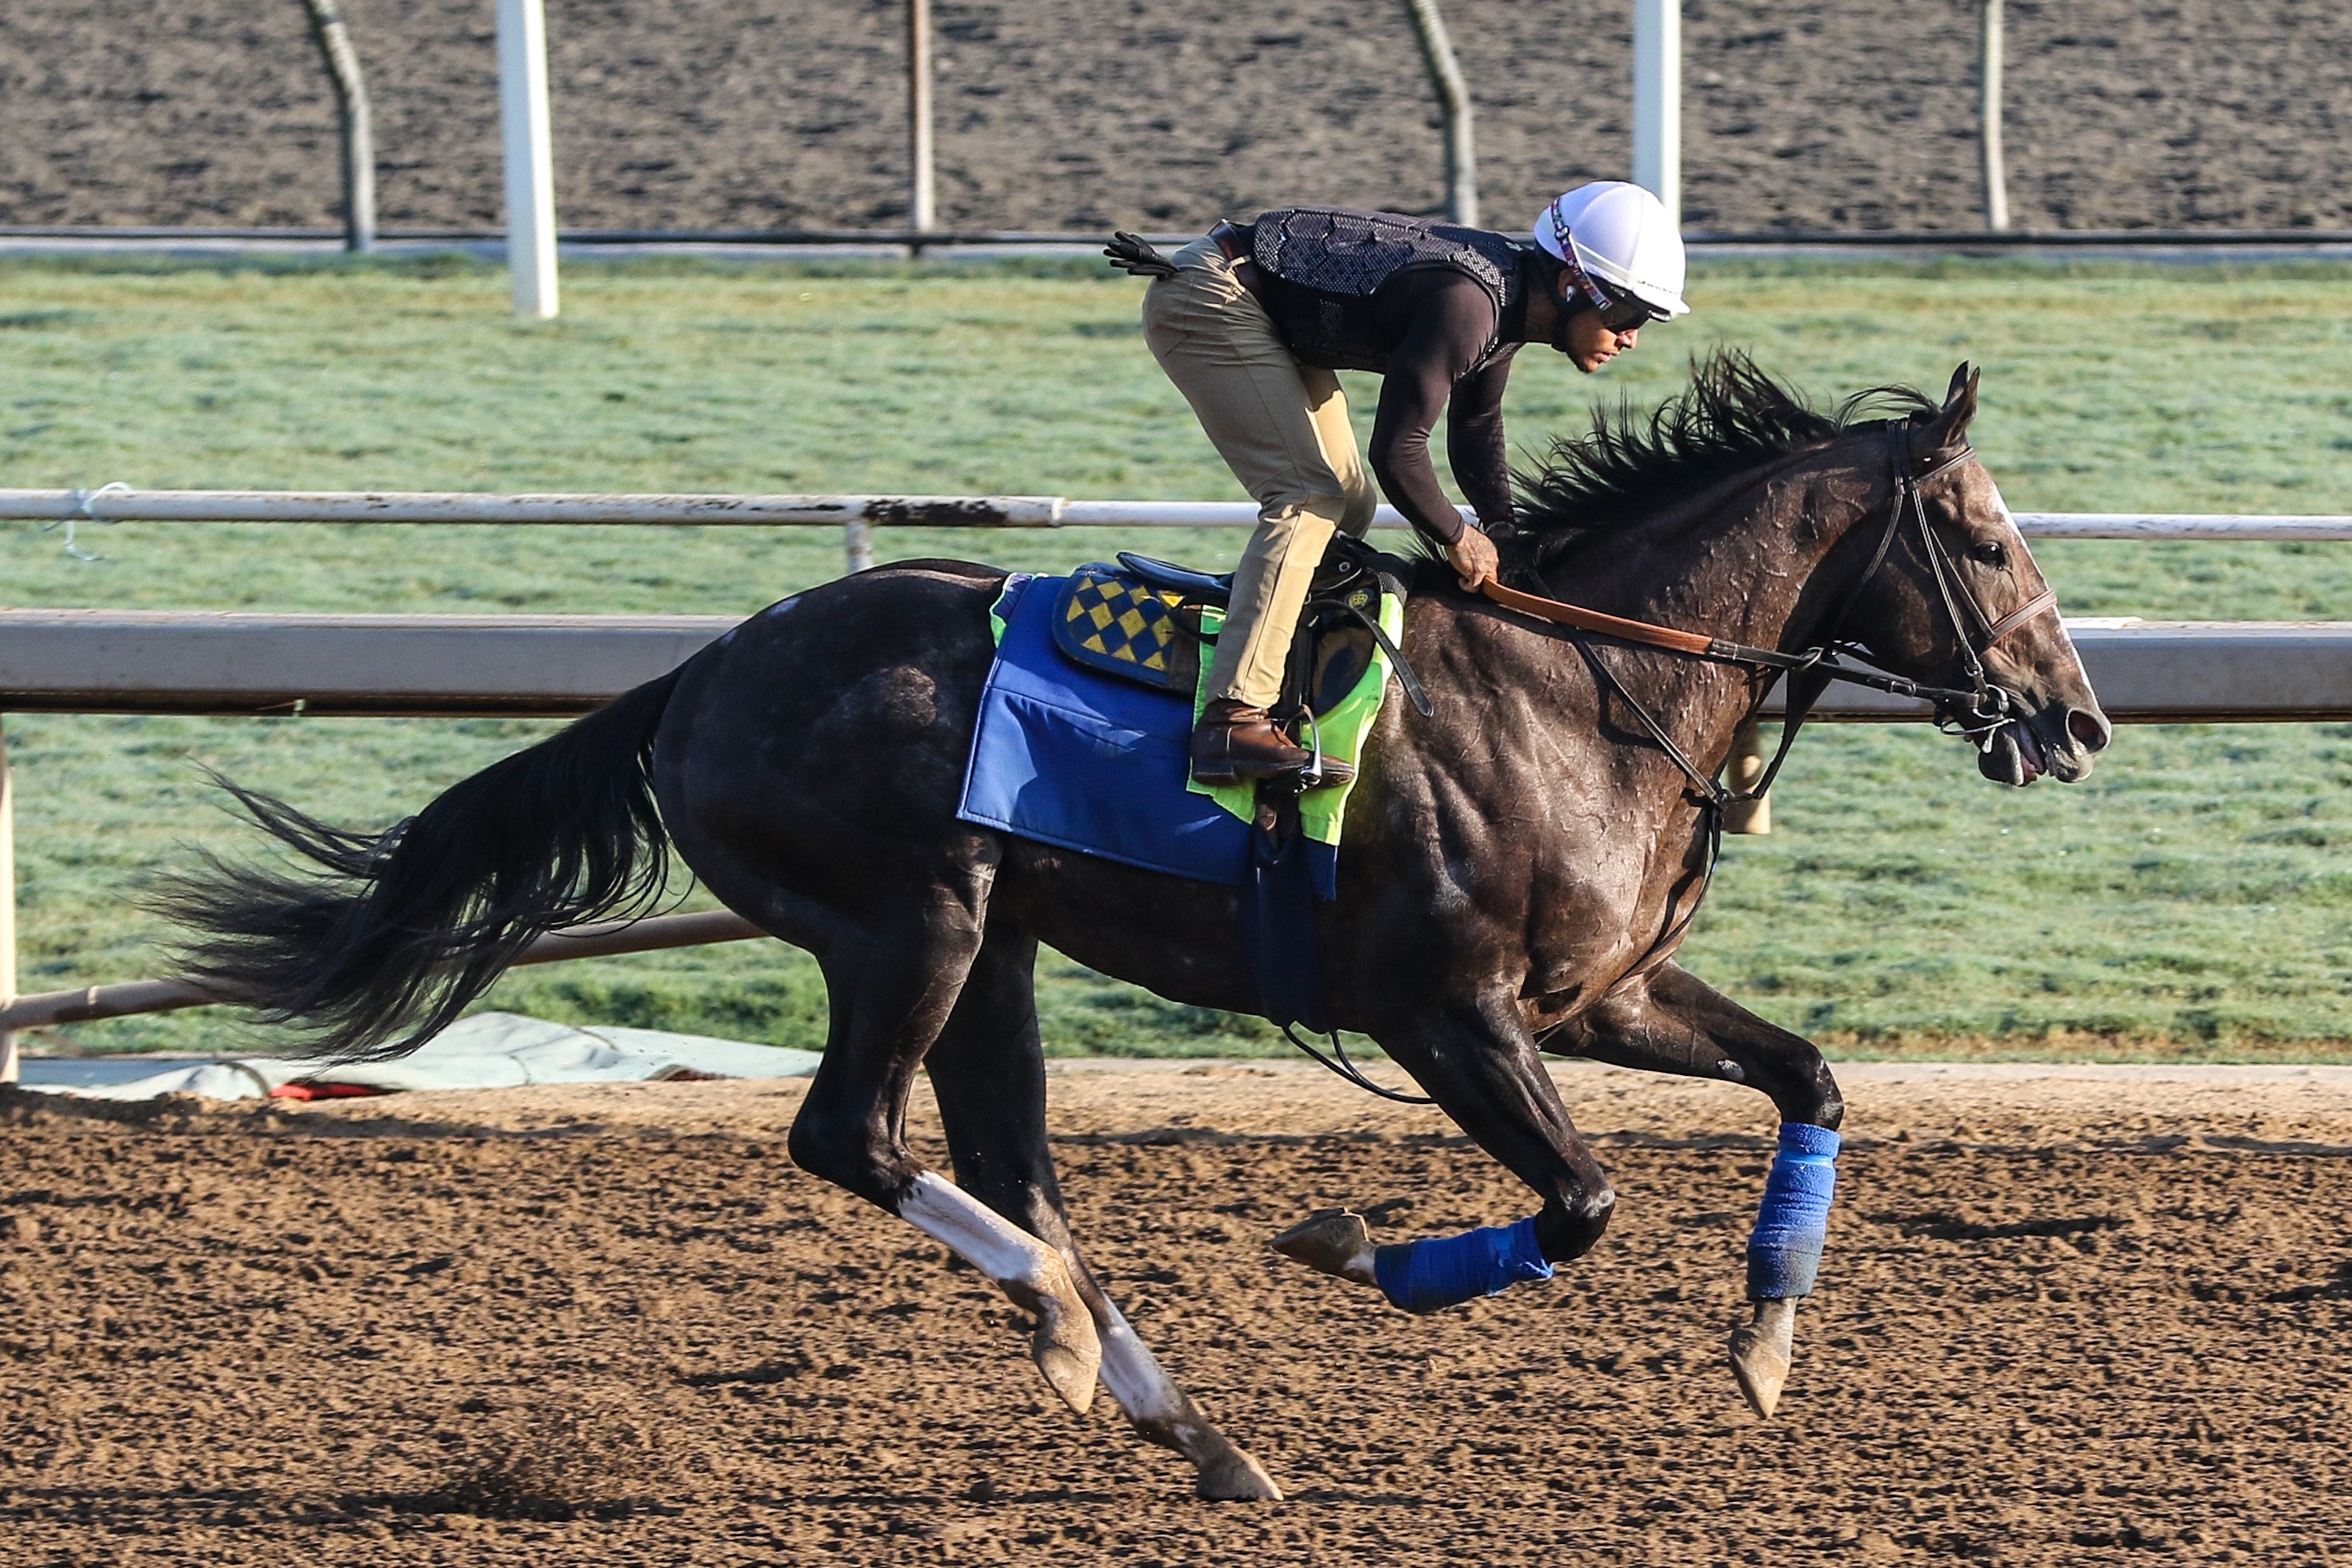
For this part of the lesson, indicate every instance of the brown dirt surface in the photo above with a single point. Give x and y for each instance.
(1057, 113)
(2095, 1317)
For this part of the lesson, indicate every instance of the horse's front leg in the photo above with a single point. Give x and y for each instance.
(1484, 1071)
(1675, 1022)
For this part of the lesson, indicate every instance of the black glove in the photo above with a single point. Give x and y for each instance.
(1133, 255)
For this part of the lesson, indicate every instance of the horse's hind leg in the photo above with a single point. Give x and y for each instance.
(892, 995)
(1677, 1024)
(990, 1074)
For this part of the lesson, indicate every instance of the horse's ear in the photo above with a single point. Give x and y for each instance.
(1947, 427)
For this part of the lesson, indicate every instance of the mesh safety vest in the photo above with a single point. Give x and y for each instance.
(1324, 264)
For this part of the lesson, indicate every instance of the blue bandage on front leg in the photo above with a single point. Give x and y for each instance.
(1784, 1254)
(1439, 1272)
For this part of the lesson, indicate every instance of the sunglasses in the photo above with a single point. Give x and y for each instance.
(1621, 313)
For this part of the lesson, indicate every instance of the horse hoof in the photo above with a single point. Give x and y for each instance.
(1761, 1353)
(1070, 1369)
(1234, 1477)
(1335, 1240)
(1065, 1346)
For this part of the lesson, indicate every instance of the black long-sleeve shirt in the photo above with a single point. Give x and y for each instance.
(1440, 321)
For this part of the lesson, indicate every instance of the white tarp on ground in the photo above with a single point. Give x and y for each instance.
(487, 1050)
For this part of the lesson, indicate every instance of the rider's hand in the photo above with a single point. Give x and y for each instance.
(1473, 559)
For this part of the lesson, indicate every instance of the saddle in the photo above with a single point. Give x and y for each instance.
(1140, 620)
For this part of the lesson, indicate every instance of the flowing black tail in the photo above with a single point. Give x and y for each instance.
(386, 937)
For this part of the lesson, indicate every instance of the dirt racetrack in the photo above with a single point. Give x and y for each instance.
(2099, 1317)
(699, 114)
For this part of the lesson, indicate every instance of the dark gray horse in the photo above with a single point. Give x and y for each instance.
(1518, 867)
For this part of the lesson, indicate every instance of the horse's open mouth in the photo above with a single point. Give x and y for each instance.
(2013, 755)
(2022, 750)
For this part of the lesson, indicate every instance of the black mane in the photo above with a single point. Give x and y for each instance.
(1732, 418)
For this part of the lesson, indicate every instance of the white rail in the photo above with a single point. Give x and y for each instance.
(858, 516)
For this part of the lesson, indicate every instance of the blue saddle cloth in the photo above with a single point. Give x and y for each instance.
(1095, 763)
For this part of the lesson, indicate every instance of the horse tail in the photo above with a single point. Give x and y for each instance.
(383, 939)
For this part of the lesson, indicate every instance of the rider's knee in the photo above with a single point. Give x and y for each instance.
(1301, 514)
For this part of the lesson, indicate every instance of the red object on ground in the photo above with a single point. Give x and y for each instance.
(322, 1091)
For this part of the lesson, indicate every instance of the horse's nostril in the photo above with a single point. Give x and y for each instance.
(2091, 730)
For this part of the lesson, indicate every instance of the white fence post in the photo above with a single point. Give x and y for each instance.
(921, 215)
(1658, 101)
(10, 1069)
(1996, 174)
(857, 543)
(1744, 770)
(530, 155)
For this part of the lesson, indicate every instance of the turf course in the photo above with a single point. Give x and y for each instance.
(2191, 901)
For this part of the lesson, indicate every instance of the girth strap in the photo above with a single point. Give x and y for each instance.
(1414, 691)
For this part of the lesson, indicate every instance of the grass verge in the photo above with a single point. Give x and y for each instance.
(2189, 902)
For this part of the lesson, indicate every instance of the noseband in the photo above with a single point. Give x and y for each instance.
(1985, 706)
(1978, 711)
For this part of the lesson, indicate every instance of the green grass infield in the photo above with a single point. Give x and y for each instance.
(2191, 902)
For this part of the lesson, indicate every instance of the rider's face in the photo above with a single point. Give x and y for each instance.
(1584, 337)
(1590, 344)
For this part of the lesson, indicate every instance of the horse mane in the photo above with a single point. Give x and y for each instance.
(1631, 466)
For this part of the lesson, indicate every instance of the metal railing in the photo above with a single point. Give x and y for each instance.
(860, 516)
(97, 661)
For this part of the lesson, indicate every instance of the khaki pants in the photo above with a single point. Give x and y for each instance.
(1283, 429)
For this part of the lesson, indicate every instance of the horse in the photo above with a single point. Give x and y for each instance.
(1521, 864)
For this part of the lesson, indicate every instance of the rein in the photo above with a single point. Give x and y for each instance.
(1978, 711)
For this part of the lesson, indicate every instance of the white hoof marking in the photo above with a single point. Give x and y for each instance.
(1031, 1273)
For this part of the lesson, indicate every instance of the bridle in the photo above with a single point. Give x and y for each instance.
(1978, 711)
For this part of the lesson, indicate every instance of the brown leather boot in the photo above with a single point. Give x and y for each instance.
(1234, 741)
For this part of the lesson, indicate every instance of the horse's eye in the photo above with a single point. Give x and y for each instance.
(1988, 551)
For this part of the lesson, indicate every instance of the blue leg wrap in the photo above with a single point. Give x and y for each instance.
(1784, 1253)
(1439, 1272)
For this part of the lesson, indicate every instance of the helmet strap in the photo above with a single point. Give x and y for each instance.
(1570, 303)
(1593, 293)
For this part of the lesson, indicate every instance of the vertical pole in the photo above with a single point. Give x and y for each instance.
(1658, 101)
(857, 545)
(921, 215)
(1454, 107)
(530, 155)
(334, 42)
(9, 1069)
(1747, 766)
(1996, 174)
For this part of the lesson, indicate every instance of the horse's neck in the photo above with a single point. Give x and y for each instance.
(1733, 563)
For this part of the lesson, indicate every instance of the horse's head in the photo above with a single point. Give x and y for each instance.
(1947, 593)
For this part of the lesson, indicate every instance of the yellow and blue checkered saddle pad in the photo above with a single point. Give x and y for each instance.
(1107, 619)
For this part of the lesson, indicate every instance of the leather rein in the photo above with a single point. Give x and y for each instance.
(1978, 711)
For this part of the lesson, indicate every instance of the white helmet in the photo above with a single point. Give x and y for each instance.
(1620, 236)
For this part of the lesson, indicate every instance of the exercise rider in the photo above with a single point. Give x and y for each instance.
(1250, 322)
